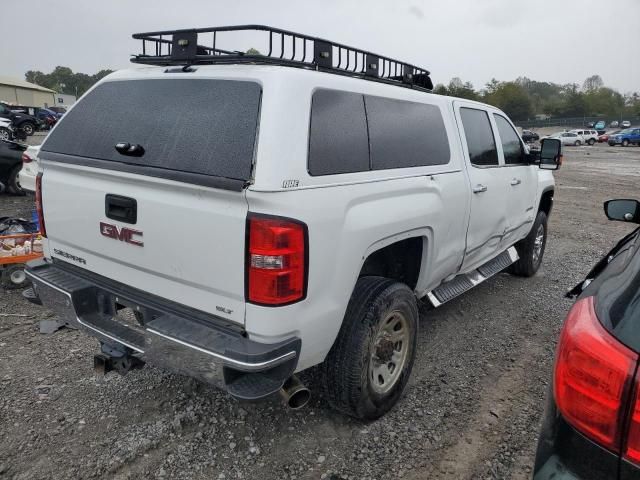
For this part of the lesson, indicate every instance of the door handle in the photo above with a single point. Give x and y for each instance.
(479, 188)
(123, 209)
(516, 181)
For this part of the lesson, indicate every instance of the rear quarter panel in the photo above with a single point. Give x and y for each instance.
(349, 216)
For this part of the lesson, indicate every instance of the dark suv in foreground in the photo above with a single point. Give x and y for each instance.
(591, 428)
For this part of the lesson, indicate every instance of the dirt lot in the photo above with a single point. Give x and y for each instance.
(471, 410)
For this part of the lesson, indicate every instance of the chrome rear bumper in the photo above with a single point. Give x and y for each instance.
(169, 335)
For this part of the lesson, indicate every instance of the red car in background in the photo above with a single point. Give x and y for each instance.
(605, 136)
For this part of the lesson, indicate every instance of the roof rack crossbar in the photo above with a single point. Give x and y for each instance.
(182, 47)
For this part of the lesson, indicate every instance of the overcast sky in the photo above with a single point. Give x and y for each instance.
(549, 40)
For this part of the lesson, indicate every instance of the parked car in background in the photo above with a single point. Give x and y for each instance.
(605, 136)
(27, 123)
(59, 110)
(629, 136)
(6, 129)
(591, 428)
(590, 125)
(568, 138)
(625, 124)
(600, 125)
(48, 117)
(528, 136)
(29, 171)
(10, 165)
(589, 136)
(614, 124)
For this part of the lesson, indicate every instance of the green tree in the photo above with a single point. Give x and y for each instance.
(457, 88)
(253, 51)
(594, 82)
(511, 98)
(460, 89)
(440, 89)
(603, 101)
(64, 80)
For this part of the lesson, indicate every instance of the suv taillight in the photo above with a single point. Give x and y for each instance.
(632, 450)
(26, 158)
(593, 377)
(39, 211)
(276, 260)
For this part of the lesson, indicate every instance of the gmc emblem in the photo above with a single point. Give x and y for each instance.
(123, 234)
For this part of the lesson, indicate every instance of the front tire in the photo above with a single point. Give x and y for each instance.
(371, 360)
(531, 248)
(625, 143)
(578, 143)
(5, 133)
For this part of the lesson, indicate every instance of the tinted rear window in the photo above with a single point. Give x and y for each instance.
(197, 126)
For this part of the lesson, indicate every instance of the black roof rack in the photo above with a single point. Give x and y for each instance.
(193, 47)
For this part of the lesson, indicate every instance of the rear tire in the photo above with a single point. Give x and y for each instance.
(370, 362)
(531, 248)
(13, 185)
(13, 277)
(592, 141)
(5, 133)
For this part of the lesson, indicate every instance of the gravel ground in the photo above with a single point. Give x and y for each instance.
(472, 408)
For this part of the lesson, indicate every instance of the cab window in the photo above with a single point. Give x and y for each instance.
(479, 135)
(511, 146)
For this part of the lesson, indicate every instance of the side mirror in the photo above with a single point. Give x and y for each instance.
(550, 154)
(623, 210)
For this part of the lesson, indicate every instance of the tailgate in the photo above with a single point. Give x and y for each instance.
(180, 150)
(192, 237)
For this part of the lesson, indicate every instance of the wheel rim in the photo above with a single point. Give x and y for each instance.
(538, 243)
(28, 129)
(17, 277)
(389, 353)
(4, 135)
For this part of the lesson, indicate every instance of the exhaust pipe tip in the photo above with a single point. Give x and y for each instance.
(295, 394)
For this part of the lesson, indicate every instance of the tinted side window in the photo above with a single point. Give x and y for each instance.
(510, 140)
(480, 141)
(338, 141)
(405, 134)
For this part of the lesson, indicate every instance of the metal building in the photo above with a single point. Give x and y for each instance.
(19, 92)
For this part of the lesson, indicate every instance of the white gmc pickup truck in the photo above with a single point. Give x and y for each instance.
(240, 218)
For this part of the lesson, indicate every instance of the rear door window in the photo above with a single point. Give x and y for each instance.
(510, 140)
(202, 127)
(479, 135)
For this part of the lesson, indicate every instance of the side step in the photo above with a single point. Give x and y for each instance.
(462, 283)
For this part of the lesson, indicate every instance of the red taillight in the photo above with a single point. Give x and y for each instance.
(276, 260)
(593, 377)
(43, 231)
(632, 450)
(26, 158)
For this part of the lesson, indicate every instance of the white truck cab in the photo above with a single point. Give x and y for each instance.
(242, 218)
